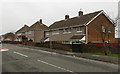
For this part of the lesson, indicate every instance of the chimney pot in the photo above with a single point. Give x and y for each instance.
(66, 16)
(80, 13)
(40, 21)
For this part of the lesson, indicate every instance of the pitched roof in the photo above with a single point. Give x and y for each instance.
(38, 26)
(23, 29)
(79, 20)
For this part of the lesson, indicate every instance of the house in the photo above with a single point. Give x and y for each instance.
(36, 31)
(84, 28)
(20, 34)
(8, 37)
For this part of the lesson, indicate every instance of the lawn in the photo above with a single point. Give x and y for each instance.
(102, 54)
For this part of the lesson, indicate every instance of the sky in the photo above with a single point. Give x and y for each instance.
(14, 14)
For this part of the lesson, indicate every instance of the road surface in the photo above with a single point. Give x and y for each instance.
(22, 59)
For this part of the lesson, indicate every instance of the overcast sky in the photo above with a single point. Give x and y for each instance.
(14, 14)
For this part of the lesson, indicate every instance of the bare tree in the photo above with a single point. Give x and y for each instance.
(104, 33)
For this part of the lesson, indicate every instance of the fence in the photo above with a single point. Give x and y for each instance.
(55, 45)
(83, 48)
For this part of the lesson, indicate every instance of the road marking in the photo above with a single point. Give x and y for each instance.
(3, 49)
(55, 66)
(44, 51)
(20, 54)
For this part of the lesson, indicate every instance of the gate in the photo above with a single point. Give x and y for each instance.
(77, 48)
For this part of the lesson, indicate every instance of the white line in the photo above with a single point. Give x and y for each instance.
(20, 54)
(55, 66)
(44, 51)
(4, 50)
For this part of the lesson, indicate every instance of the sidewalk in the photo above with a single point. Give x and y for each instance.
(113, 60)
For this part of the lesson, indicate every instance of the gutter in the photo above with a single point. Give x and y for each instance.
(66, 27)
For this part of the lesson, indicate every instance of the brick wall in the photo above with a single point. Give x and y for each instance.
(94, 29)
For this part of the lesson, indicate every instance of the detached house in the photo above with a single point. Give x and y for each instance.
(36, 32)
(20, 34)
(84, 28)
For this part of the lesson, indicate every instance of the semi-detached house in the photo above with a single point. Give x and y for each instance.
(84, 28)
(20, 34)
(34, 33)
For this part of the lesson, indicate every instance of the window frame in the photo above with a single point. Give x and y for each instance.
(79, 29)
(55, 32)
(47, 33)
(103, 29)
(67, 30)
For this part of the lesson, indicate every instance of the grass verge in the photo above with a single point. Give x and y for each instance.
(102, 54)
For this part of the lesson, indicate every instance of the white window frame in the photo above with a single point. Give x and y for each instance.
(103, 29)
(19, 34)
(29, 32)
(79, 29)
(67, 30)
(26, 32)
(109, 29)
(55, 32)
(47, 33)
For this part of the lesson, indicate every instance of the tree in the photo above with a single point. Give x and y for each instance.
(104, 31)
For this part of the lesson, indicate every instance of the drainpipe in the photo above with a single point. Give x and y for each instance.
(44, 34)
(34, 36)
(86, 37)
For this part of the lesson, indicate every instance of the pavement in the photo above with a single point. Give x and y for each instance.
(20, 58)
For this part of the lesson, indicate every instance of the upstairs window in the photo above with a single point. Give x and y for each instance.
(55, 32)
(67, 30)
(79, 29)
(103, 29)
(47, 33)
(29, 32)
(19, 34)
(109, 29)
(26, 32)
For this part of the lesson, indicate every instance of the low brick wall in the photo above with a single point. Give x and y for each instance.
(29, 43)
(12, 42)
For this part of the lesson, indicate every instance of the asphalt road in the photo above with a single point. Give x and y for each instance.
(22, 59)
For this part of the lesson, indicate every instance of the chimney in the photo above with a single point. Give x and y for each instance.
(66, 16)
(40, 21)
(80, 13)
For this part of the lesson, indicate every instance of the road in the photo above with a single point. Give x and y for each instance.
(23, 59)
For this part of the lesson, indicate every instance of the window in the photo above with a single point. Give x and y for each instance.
(47, 33)
(55, 32)
(79, 29)
(103, 29)
(19, 34)
(67, 30)
(29, 32)
(26, 32)
(109, 29)
(67, 42)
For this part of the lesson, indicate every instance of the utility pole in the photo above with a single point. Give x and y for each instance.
(50, 44)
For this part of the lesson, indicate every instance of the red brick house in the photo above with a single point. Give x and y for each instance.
(85, 28)
(20, 34)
